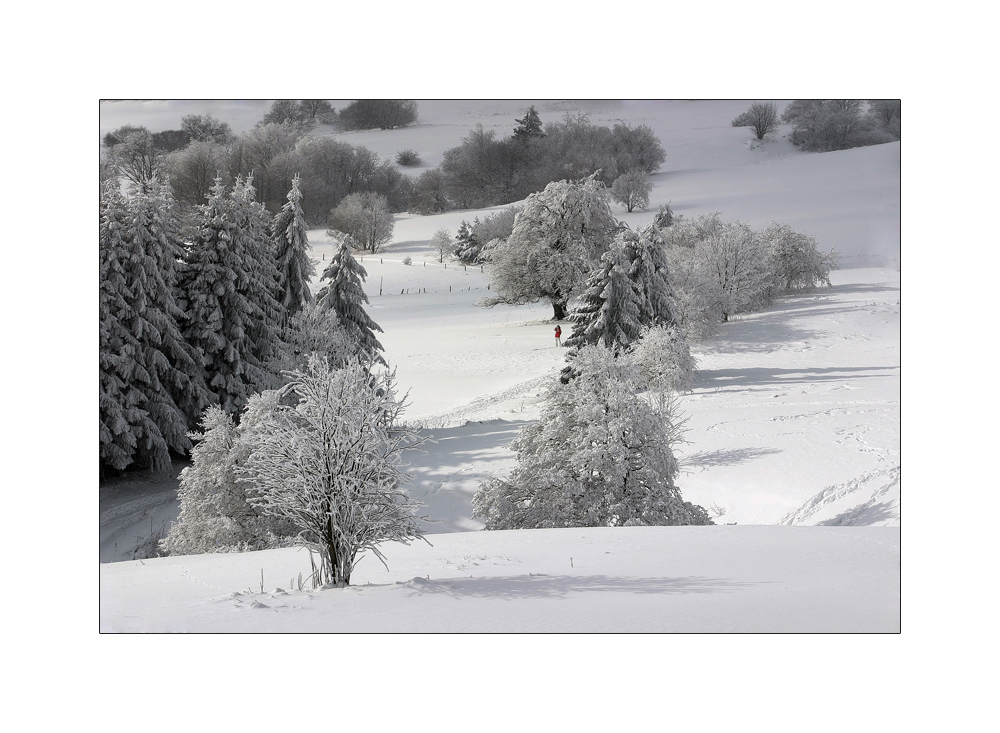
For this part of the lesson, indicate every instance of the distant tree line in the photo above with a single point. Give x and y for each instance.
(828, 124)
(487, 170)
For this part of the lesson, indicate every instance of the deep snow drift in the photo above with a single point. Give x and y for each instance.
(793, 420)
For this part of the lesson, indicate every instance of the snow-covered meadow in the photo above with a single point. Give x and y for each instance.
(793, 422)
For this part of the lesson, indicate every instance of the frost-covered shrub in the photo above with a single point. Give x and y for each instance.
(407, 260)
(216, 514)
(329, 464)
(762, 117)
(314, 330)
(409, 158)
(794, 259)
(664, 360)
(600, 455)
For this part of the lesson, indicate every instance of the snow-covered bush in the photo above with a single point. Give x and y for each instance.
(216, 515)
(329, 464)
(794, 259)
(697, 300)
(664, 360)
(409, 158)
(315, 331)
(600, 455)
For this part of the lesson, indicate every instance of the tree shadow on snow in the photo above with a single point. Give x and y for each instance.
(708, 379)
(559, 586)
(730, 457)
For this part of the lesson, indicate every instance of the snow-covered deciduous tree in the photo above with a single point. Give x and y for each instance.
(229, 286)
(345, 296)
(697, 296)
(216, 514)
(557, 240)
(366, 218)
(735, 258)
(442, 245)
(600, 455)
(295, 268)
(150, 377)
(631, 189)
(794, 258)
(330, 465)
(314, 330)
(664, 360)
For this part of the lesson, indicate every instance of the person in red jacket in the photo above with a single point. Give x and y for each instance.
(558, 334)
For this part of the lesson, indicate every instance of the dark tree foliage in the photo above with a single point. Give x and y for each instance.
(284, 110)
(117, 136)
(170, 140)
(345, 296)
(530, 126)
(832, 124)
(313, 108)
(206, 128)
(385, 114)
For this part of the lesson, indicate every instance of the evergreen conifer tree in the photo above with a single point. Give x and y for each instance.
(222, 288)
(295, 269)
(345, 295)
(530, 126)
(609, 311)
(145, 361)
(649, 271)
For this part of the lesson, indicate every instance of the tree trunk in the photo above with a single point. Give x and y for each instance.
(558, 310)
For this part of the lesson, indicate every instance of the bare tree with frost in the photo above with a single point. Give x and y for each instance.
(330, 465)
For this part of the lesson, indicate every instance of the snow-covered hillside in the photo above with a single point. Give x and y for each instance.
(793, 420)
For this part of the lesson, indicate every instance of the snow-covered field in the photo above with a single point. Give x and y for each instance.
(794, 422)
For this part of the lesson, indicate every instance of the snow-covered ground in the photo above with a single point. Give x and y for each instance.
(794, 420)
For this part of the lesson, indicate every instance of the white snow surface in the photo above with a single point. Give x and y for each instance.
(793, 428)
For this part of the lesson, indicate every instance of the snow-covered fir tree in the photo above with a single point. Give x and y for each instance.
(329, 464)
(224, 280)
(600, 455)
(466, 245)
(650, 272)
(147, 367)
(255, 227)
(609, 311)
(345, 296)
(295, 268)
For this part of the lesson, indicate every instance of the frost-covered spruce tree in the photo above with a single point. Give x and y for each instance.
(145, 360)
(216, 514)
(557, 240)
(600, 455)
(329, 464)
(122, 416)
(295, 268)
(650, 271)
(220, 278)
(609, 312)
(254, 239)
(345, 295)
